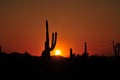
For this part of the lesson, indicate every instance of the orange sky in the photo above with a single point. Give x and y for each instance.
(22, 25)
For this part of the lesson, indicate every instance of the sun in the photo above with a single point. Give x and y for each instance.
(57, 52)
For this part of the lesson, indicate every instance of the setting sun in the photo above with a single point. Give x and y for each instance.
(57, 52)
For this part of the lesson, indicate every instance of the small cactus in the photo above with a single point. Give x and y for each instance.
(85, 54)
(71, 54)
(0, 49)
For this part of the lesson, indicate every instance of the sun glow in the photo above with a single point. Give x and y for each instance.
(57, 52)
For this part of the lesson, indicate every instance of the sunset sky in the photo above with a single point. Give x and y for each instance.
(22, 25)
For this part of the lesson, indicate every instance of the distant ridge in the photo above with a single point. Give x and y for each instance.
(58, 58)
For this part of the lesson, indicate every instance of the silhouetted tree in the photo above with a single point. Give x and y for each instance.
(46, 52)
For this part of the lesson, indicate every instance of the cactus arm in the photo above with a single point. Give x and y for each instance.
(54, 40)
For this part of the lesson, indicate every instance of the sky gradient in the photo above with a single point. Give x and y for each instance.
(22, 25)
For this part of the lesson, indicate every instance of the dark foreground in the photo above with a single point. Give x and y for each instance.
(23, 66)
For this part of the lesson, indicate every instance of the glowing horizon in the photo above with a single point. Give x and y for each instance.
(22, 25)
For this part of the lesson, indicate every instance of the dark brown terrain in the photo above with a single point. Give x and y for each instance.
(23, 66)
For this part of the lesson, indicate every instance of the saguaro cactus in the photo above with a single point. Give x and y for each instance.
(71, 54)
(116, 48)
(85, 54)
(0, 49)
(46, 52)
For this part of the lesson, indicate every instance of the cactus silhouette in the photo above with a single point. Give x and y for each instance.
(0, 49)
(71, 54)
(46, 52)
(85, 54)
(116, 48)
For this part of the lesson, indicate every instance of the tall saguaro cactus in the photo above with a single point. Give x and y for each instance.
(46, 52)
